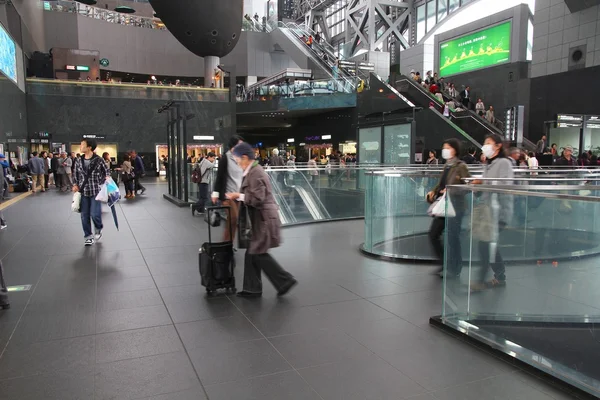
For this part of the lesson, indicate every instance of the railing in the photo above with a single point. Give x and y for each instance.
(103, 14)
(541, 308)
(297, 89)
(56, 87)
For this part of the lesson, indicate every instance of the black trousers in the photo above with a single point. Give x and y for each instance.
(138, 185)
(202, 197)
(454, 250)
(254, 263)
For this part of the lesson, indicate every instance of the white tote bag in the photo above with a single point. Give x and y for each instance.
(76, 204)
(440, 210)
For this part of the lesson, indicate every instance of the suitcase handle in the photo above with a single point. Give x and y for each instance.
(216, 208)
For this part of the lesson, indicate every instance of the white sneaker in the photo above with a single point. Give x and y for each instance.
(98, 235)
(89, 242)
(3, 226)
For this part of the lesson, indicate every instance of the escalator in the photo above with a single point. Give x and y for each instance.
(289, 38)
(429, 120)
(477, 127)
(286, 215)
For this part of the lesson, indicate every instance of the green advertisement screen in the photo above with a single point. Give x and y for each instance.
(482, 49)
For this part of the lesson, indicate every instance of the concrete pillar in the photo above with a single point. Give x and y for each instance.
(251, 80)
(210, 64)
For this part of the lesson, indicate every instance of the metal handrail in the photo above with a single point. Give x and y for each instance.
(508, 190)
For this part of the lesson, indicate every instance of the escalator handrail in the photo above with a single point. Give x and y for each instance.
(311, 194)
(329, 67)
(283, 208)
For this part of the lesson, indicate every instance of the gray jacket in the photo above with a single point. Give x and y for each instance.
(205, 166)
(500, 168)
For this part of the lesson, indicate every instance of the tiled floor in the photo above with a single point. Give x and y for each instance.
(128, 318)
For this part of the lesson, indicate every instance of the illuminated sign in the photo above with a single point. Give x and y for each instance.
(82, 68)
(325, 137)
(592, 122)
(485, 48)
(70, 67)
(8, 55)
(309, 138)
(204, 138)
(569, 121)
(291, 140)
(104, 62)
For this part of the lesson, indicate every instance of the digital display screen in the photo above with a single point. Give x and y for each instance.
(8, 55)
(485, 48)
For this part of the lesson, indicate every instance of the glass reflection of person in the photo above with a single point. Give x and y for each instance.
(496, 217)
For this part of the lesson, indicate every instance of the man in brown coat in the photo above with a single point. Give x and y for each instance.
(256, 195)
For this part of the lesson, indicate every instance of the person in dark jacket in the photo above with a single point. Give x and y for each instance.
(229, 180)
(139, 170)
(470, 158)
(256, 194)
(54, 164)
(567, 159)
(455, 171)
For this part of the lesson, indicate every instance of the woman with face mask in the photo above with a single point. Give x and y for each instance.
(256, 194)
(455, 171)
(498, 210)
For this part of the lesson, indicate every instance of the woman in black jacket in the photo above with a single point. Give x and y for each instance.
(229, 180)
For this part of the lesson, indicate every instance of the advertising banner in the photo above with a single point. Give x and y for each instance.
(8, 55)
(485, 48)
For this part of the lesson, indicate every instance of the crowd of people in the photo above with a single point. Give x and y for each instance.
(459, 100)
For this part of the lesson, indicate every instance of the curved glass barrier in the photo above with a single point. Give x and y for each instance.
(397, 224)
(530, 274)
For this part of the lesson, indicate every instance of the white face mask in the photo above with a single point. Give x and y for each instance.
(488, 150)
(446, 154)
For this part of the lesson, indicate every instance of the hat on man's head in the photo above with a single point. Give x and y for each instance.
(244, 149)
(570, 148)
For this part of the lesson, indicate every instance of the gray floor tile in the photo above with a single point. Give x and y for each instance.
(318, 347)
(367, 378)
(131, 318)
(234, 361)
(500, 387)
(137, 343)
(193, 310)
(455, 362)
(373, 287)
(114, 273)
(180, 278)
(45, 327)
(144, 377)
(191, 394)
(284, 385)
(415, 307)
(56, 386)
(217, 331)
(116, 284)
(47, 357)
(120, 259)
(123, 300)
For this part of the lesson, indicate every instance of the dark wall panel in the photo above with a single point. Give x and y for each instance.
(13, 113)
(132, 123)
(501, 87)
(572, 92)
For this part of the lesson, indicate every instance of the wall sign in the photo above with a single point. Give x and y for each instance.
(309, 138)
(592, 122)
(104, 62)
(569, 121)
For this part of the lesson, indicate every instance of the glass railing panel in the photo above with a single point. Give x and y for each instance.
(529, 275)
(52, 87)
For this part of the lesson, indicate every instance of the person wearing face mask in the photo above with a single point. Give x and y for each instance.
(495, 214)
(257, 195)
(455, 171)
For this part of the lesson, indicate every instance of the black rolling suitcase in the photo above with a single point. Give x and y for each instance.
(216, 260)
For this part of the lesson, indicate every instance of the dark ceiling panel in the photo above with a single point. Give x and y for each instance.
(579, 5)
